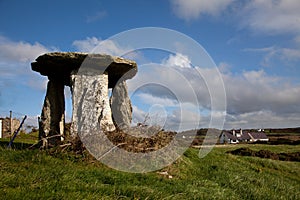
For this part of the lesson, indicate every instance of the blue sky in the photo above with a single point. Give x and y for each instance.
(255, 44)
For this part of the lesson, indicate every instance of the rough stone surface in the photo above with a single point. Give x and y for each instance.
(121, 106)
(52, 117)
(90, 104)
(60, 65)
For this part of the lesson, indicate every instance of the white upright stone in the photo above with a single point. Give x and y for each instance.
(91, 109)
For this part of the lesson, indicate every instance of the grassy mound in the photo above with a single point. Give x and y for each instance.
(63, 174)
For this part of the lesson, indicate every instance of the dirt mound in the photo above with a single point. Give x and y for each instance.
(136, 139)
(267, 154)
(141, 140)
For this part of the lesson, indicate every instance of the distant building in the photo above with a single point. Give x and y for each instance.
(234, 137)
(258, 136)
(227, 137)
(5, 126)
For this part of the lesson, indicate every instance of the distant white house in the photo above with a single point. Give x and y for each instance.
(227, 137)
(234, 137)
(258, 136)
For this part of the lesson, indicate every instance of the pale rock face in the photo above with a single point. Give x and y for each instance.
(90, 104)
(121, 106)
(52, 117)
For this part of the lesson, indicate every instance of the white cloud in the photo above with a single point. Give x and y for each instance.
(262, 119)
(149, 99)
(177, 119)
(253, 97)
(273, 53)
(11, 51)
(174, 80)
(15, 68)
(177, 60)
(254, 91)
(31, 122)
(96, 17)
(16, 57)
(264, 16)
(297, 39)
(96, 45)
(180, 120)
(272, 17)
(86, 45)
(138, 115)
(290, 54)
(192, 9)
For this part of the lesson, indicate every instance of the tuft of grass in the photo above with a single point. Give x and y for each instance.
(35, 174)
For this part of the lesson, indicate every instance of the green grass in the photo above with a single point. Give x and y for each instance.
(34, 174)
(23, 139)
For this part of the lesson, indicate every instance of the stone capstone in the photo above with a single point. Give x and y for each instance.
(59, 65)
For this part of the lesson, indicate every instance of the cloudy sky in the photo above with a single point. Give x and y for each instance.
(255, 45)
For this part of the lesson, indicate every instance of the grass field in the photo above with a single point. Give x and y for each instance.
(35, 174)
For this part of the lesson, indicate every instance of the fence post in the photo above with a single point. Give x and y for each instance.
(11, 124)
(0, 128)
(16, 133)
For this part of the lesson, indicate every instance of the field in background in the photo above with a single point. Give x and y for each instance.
(50, 174)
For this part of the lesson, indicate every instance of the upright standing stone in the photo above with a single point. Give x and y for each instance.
(121, 106)
(52, 117)
(90, 104)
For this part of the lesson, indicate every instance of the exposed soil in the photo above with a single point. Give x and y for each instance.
(141, 140)
(138, 140)
(267, 154)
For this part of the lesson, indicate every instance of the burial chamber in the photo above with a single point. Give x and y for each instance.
(89, 76)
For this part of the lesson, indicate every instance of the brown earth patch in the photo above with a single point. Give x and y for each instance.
(141, 142)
